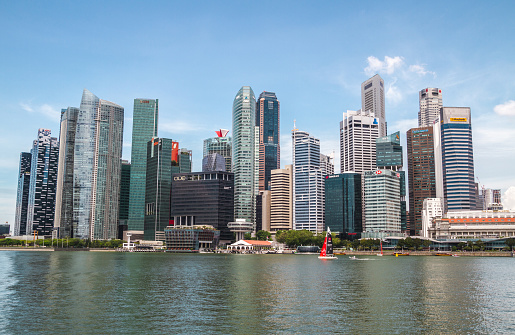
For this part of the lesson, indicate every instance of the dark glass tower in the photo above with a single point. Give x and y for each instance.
(343, 209)
(144, 128)
(125, 182)
(267, 119)
(389, 152)
(22, 196)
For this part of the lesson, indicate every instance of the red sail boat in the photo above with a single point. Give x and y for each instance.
(327, 248)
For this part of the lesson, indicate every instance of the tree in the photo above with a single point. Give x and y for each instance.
(247, 236)
(263, 235)
(510, 243)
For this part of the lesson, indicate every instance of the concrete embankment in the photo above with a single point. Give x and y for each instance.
(434, 253)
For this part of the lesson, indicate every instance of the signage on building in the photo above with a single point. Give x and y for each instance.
(179, 178)
(458, 119)
(420, 131)
(379, 172)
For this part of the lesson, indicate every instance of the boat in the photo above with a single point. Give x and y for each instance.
(443, 254)
(397, 254)
(381, 254)
(327, 248)
(352, 257)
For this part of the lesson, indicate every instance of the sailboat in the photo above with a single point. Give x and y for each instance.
(381, 254)
(327, 248)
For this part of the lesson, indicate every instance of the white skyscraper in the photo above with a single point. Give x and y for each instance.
(372, 99)
(430, 100)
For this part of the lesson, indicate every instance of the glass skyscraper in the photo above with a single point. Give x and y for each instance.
(22, 196)
(144, 128)
(267, 119)
(97, 168)
(43, 182)
(243, 122)
(220, 145)
(389, 152)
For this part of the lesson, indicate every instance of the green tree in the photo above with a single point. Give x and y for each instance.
(263, 235)
(510, 243)
(247, 236)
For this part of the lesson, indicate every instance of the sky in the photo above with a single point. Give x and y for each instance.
(195, 55)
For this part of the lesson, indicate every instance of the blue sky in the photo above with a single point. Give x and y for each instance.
(194, 56)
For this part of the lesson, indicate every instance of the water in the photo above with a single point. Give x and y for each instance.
(144, 293)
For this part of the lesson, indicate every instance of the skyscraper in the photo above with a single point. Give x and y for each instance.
(389, 152)
(421, 173)
(243, 121)
(158, 188)
(185, 157)
(125, 186)
(281, 213)
(358, 133)
(220, 145)
(308, 183)
(43, 182)
(22, 196)
(372, 99)
(144, 128)
(267, 119)
(457, 158)
(382, 205)
(430, 100)
(63, 219)
(97, 168)
(213, 162)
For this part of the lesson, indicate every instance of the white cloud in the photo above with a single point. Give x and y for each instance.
(44, 109)
(421, 70)
(403, 126)
(393, 93)
(388, 66)
(505, 109)
(508, 198)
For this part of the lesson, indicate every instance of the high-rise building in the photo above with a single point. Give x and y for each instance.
(491, 199)
(158, 188)
(431, 208)
(308, 183)
(457, 158)
(43, 183)
(430, 100)
(97, 168)
(421, 173)
(213, 162)
(267, 119)
(372, 99)
(22, 196)
(125, 186)
(185, 157)
(144, 128)
(63, 220)
(382, 205)
(389, 152)
(220, 145)
(243, 121)
(358, 133)
(326, 164)
(281, 212)
(204, 198)
(343, 208)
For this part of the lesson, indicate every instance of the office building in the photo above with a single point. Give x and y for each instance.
(63, 220)
(308, 183)
(326, 164)
(22, 195)
(491, 199)
(97, 168)
(144, 128)
(213, 162)
(358, 133)
(43, 183)
(389, 152)
(430, 100)
(185, 159)
(267, 119)
(372, 99)
(221, 145)
(158, 188)
(281, 205)
(457, 158)
(203, 198)
(244, 139)
(432, 208)
(125, 185)
(343, 207)
(382, 205)
(421, 173)
(194, 238)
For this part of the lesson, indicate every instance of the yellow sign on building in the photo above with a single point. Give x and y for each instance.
(458, 119)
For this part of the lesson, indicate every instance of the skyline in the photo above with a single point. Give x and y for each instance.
(194, 57)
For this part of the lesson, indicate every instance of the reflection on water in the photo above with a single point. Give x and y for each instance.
(90, 292)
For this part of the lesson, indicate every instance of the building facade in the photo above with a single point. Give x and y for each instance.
(389, 152)
(185, 160)
(343, 207)
(281, 206)
(457, 158)
(63, 220)
(213, 162)
(243, 121)
(382, 205)
(308, 183)
(125, 186)
(22, 195)
(430, 100)
(372, 99)
(97, 168)
(221, 145)
(43, 184)
(144, 128)
(432, 208)
(203, 198)
(267, 119)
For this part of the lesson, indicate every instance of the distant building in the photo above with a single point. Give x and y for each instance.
(221, 145)
(5, 229)
(281, 212)
(22, 195)
(213, 162)
(125, 182)
(372, 99)
(267, 119)
(192, 238)
(492, 199)
(382, 205)
(185, 160)
(430, 100)
(203, 198)
(158, 188)
(97, 168)
(43, 183)
(389, 152)
(144, 128)
(432, 208)
(343, 208)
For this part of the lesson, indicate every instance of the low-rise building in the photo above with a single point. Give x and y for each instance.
(194, 238)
